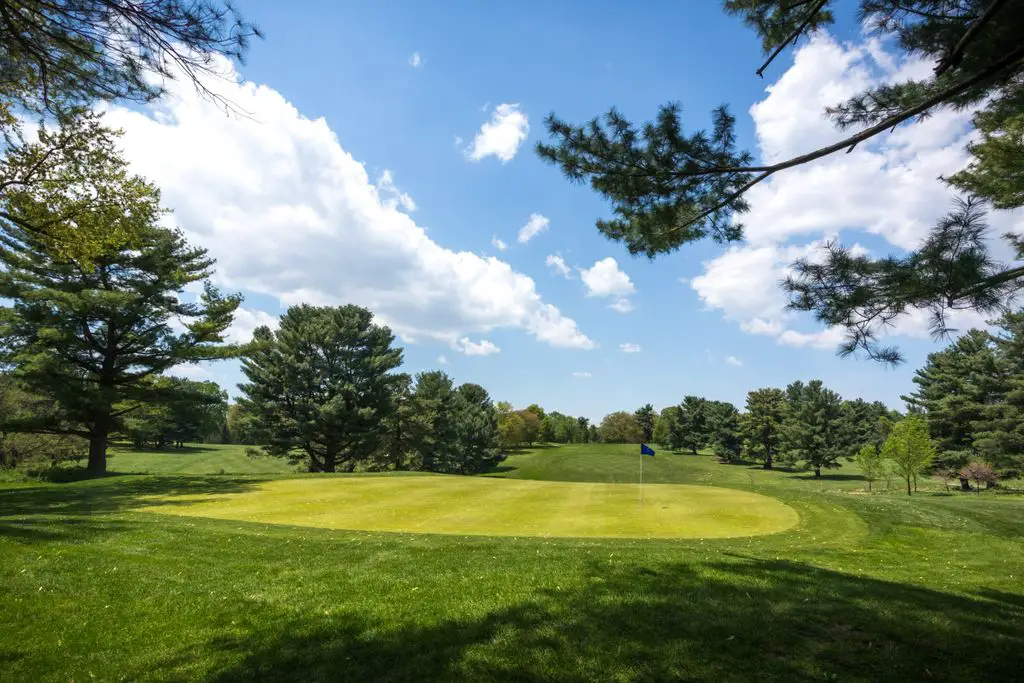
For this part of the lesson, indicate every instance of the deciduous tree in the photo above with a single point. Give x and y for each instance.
(620, 427)
(909, 449)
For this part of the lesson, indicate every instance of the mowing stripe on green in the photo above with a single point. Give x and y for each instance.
(494, 507)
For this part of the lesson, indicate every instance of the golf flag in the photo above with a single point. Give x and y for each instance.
(646, 450)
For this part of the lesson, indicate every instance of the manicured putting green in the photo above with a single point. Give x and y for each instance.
(494, 507)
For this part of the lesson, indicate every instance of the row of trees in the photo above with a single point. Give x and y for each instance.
(524, 427)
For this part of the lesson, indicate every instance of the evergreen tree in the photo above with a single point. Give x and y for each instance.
(583, 427)
(645, 418)
(814, 430)
(953, 389)
(75, 51)
(694, 428)
(402, 425)
(91, 334)
(668, 188)
(762, 424)
(863, 421)
(321, 385)
(999, 430)
(593, 434)
(476, 427)
(435, 399)
(724, 430)
(909, 449)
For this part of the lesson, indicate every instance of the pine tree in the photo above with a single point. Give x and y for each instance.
(435, 400)
(645, 418)
(909, 449)
(476, 427)
(92, 333)
(999, 431)
(724, 430)
(953, 389)
(762, 424)
(321, 385)
(814, 430)
(694, 428)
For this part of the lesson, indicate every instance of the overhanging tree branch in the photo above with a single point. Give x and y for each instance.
(993, 69)
(792, 36)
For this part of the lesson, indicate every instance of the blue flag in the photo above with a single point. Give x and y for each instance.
(646, 450)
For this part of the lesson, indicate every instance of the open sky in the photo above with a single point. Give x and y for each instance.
(386, 159)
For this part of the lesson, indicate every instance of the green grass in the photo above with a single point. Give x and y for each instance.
(203, 459)
(877, 587)
(479, 506)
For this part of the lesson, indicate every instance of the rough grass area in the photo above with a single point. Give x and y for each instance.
(865, 588)
(480, 507)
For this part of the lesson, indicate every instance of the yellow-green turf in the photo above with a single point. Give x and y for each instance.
(495, 507)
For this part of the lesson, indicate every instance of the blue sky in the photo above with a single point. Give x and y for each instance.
(408, 90)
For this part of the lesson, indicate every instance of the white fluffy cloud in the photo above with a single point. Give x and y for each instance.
(558, 264)
(733, 361)
(889, 186)
(442, 359)
(289, 213)
(629, 348)
(498, 244)
(582, 375)
(480, 348)
(605, 279)
(502, 135)
(536, 224)
(245, 323)
(415, 60)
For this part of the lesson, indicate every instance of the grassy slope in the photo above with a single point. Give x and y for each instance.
(866, 588)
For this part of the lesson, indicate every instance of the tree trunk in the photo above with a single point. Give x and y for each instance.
(817, 472)
(965, 485)
(98, 453)
(328, 463)
(908, 486)
(768, 462)
(869, 486)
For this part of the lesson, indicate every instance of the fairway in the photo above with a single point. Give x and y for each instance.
(495, 507)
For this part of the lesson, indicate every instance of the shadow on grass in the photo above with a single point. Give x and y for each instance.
(721, 621)
(112, 493)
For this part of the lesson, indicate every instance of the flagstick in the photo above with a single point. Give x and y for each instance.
(641, 477)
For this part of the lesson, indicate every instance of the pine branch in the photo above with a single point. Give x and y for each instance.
(794, 35)
(957, 53)
(993, 69)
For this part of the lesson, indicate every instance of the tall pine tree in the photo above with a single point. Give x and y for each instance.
(815, 430)
(762, 424)
(91, 333)
(321, 385)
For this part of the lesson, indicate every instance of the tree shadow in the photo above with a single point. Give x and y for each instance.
(77, 503)
(721, 621)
